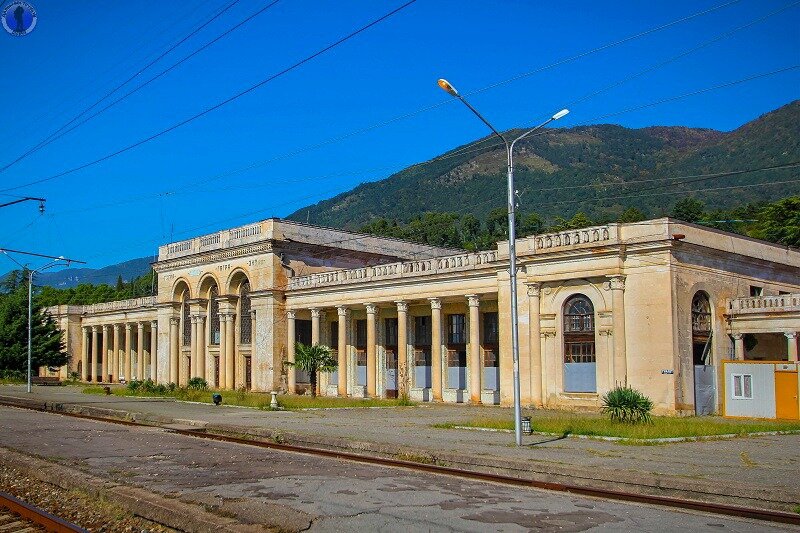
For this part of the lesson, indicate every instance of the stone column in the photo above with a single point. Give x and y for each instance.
(174, 348)
(202, 347)
(738, 346)
(223, 348)
(342, 350)
(475, 367)
(436, 349)
(617, 284)
(290, 338)
(792, 348)
(372, 367)
(315, 320)
(95, 351)
(128, 365)
(85, 355)
(535, 341)
(140, 351)
(193, 342)
(230, 352)
(115, 357)
(402, 349)
(154, 350)
(104, 363)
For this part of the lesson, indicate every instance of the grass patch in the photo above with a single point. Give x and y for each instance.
(257, 400)
(661, 427)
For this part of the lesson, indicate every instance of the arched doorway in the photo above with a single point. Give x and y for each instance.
(705, 378)
(580, 360)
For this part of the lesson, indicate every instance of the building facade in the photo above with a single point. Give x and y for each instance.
(655, 305)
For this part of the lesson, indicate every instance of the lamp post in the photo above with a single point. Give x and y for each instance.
(30, 305)
(512, 248)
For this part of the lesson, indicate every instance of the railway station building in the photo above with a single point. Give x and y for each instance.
(657, 305)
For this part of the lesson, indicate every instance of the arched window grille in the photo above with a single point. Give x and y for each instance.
(213, 311)
(701, 315)
(245, 316)
(187, 322)
(579, 346)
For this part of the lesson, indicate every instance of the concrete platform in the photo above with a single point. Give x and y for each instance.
(753, 471)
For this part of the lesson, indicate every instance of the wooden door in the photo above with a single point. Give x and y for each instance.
(786, 406)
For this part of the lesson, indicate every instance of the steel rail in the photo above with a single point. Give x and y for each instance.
(752, 513)
(37, 516)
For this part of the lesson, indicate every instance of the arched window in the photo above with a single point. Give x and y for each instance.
(245, 316)
(579, 345)
(213, 312)
(187, 322)
(701, 328)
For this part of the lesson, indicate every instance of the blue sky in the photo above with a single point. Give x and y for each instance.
(191, 181)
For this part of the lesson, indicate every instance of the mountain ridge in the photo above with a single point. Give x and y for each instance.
(581, 168)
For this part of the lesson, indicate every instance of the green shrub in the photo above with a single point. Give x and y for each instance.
(625, 404)
(134, 385)
(197, 384)
(13, 376)
(171, 387)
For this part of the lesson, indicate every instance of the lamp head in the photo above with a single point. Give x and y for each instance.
(444, 84)
(560, 114)
(41, 208)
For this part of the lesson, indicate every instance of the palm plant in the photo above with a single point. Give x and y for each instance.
(626, 404)
(313, 359)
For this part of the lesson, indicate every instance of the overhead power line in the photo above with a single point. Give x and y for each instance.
(222, 103)
(52, 137)
(65, 130)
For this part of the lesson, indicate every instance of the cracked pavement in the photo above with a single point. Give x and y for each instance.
(300, 492)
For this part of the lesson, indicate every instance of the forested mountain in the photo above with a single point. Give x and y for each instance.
(599, 170)
(72, 277)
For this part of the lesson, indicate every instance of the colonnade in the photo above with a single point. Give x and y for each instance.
(438, 347)
(203, 358)
(117, 351)
(791, 348)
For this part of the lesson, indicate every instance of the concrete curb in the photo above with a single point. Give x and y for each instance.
(146, 504)
(628, 481)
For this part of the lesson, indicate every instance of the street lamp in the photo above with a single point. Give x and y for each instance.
(512, 247)
(30, 306)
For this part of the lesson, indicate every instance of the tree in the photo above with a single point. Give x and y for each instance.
(780, 222)
(47, 346)
(688, 210)
(632, 214)
(120, 283)
(532, 224)
(313, 359)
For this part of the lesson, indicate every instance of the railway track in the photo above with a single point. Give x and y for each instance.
(17, 516)
(751, 513)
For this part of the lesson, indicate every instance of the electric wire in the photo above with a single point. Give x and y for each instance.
(220, 104)
(61, 132)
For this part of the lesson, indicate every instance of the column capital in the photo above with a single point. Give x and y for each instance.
(402, 306)
(175, 320)
(95, 329)
(473, 300)
(534, 288)
(291, 314)
(436, 303)
(342, 310)
(737, 336)
(371, 309)
(791, 335)
(315, 312)
(141, 324)
(154, 324)
(128, 326)
(616, 282)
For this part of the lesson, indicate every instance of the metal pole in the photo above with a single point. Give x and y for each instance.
(512, 260)
(30, 291)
